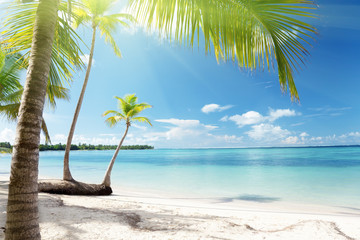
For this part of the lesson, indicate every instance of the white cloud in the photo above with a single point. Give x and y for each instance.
(267, 132)
(291, 140)
(354, 134)
(248, 118)
(191, 133)
(278, 113)
(208, 108)
(85, 59)
(304, 134)
(7, 135)
(185, 128)
(318, 139)
(186, 123)
(252, 117)
(230, 138)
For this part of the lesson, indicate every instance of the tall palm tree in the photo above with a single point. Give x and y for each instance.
(95, 13)
(31, 28)
(129, 111)
(22, 207)
(255, 33)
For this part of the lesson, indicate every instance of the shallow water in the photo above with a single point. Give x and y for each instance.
(328, 176)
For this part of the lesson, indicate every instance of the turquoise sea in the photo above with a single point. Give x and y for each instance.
(327, 176)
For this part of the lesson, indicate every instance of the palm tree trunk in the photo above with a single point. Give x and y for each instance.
(22, 208)
(106, 180)
(67, 173)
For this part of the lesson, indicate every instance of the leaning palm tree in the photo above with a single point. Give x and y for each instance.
(95, 13)
(129, 111)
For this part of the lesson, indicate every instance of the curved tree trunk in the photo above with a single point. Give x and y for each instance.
(22, 209)
(67, 174)
(73, 188)
(106, 180)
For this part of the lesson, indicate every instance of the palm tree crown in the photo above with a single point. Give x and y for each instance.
(95, 12)
(129, 111)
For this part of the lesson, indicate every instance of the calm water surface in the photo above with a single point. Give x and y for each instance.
(328, 176)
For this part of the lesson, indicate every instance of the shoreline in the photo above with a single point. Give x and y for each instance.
(138, 214)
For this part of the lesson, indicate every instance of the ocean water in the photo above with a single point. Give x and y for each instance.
(327, 176)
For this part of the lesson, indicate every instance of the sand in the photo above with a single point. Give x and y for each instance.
(130, 214)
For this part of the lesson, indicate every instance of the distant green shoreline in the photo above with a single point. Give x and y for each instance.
(61, 147)
(5, 147)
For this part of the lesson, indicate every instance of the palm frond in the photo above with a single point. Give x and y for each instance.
(10, 111)
(257, 34)
(141, 119)
(113, 120)
(17, 35)
(129, 110)
(2, 58)
(111, 112)
(109, 39)
(83, 17)
(45, 131)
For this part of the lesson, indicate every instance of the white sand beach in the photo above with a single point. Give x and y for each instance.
(129, 214)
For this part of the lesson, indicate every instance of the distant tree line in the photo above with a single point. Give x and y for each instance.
(81, 146)
(5, 145)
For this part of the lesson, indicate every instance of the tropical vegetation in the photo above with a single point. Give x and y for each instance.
(61, 147)
(30, 29)
(11, 91)
(129, 113)
(5, 147)
(94, 13)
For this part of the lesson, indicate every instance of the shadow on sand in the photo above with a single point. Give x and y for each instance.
(251, 198)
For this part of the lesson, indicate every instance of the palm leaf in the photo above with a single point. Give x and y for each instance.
(257, 34)
(129, 110)
(17, 35)
(45, 131)
(141, 119)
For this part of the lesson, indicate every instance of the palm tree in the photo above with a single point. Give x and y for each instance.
(255, 33)
(93, 12)
(129, 111)
(22, 207)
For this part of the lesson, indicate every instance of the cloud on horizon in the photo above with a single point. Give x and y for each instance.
(253, 117)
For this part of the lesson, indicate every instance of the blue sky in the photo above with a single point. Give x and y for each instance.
(200, 103)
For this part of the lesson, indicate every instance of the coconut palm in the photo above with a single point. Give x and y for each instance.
(95, 13)
(255, 33)
(44, 59)
(129, 111)
(22, 208)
